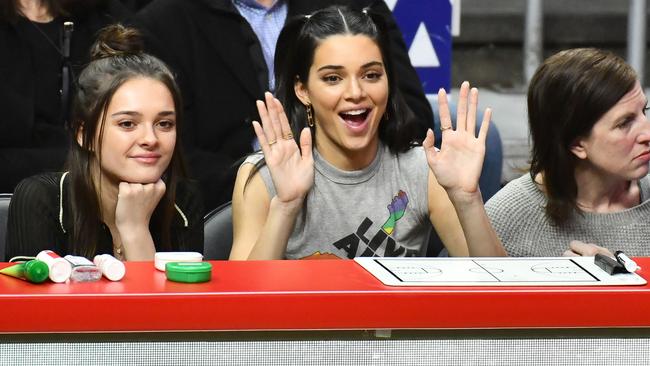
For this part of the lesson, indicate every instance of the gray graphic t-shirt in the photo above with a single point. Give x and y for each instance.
(381, 210)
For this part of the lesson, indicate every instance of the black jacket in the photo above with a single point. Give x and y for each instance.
(39, 219)
(221, 73)
(27, 146)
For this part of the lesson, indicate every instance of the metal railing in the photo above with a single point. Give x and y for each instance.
(636, 37)
(534, 43)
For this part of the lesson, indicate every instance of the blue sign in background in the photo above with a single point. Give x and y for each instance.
(435, 17)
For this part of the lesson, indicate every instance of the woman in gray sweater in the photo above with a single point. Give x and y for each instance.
(588, 178)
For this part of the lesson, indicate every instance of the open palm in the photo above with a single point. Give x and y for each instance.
(292, 168)
(457, 166)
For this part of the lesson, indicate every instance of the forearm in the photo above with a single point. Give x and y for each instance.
(482, 240)
(273, 239)
(137, 244)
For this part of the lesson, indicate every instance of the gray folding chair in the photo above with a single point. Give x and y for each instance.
(4, 212)
(217, 233)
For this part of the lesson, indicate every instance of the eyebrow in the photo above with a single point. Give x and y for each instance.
(138, 114)
(628, 114)
(338, 67)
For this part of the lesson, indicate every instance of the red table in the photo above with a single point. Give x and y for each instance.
(306, 295)
(319, 312)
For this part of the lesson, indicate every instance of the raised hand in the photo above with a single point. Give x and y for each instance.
(292, 169)
(457, 166)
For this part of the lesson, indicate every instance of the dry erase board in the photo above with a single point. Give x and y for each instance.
(544, 271)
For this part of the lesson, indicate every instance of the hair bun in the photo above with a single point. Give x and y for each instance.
(116, 40)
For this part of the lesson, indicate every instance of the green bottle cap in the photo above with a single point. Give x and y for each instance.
(36, 271)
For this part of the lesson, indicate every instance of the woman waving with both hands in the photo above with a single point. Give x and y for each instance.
(339, 174)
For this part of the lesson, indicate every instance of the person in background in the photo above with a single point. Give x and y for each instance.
(588, 189)
(123, 192)
(41, 57)
(223, 52)
(339, 175)
(135, 5)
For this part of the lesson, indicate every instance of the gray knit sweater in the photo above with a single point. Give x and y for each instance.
(517, 214)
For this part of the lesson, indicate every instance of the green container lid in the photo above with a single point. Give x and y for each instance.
(189, 272)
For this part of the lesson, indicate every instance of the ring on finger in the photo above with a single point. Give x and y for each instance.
(272, 142)
(445, 128)
(288, 136)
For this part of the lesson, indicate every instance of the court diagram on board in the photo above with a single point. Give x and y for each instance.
(492, 271)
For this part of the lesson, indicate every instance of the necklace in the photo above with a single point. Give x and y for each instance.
(117, 250)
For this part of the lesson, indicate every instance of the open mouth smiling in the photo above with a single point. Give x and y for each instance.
(356, 119)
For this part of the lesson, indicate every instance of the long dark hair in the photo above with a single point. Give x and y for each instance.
(294, 56)
(567, 95)
(117, 57)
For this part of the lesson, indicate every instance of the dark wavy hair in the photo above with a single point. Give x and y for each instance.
(117, 57)
(294, 56)
(567, 95)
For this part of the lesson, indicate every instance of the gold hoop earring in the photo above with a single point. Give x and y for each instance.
(310, 115)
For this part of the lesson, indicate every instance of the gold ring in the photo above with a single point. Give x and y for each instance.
(288, 136)
(445, 128)
(272, 142)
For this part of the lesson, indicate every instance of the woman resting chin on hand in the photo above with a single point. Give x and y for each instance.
(123, 192)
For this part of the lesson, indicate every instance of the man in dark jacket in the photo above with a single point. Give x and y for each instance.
(223, 68)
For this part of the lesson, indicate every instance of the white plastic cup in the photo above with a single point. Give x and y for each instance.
(111, 267)
(60, 269)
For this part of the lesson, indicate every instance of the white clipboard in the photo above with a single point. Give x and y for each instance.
(494, 271)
